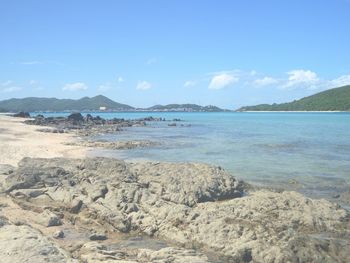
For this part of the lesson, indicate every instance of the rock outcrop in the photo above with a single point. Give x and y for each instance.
(86, 126)
(195, 206)
(22, 114)
(25, 244)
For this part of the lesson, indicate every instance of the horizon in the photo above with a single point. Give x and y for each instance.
(147, 53)
(150, 106)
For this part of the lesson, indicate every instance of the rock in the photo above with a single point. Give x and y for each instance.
(89, 125)
(76, 206)
(58, 234)
(97, 236)
(22, 114)
(48, 219)
(119, 145)
(89, 117)
(193, 205)
(24, 244)
(6, 169)
(3, 221)
(94, 252)
(75, 117)
(172, 124)
(171, 254)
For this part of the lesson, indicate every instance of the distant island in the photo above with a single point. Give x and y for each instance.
(337, 99)
(97, 103)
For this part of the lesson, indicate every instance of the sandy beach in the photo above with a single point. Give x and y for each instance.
(19, 140)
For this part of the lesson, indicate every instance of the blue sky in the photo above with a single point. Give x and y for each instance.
(226, 53)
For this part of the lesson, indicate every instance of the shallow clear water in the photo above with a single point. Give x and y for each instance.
(306, 151)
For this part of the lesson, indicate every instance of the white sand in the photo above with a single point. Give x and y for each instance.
(18, 140)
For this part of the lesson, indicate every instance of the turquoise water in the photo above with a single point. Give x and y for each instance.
(306, 151)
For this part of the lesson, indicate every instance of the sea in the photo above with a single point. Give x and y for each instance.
(302, 151)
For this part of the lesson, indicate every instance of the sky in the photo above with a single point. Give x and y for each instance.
(210, 52)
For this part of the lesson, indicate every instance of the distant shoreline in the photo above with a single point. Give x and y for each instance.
(297, 111)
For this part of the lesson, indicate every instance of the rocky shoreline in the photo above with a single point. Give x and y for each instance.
(85, 126)
(201, 213)
(108, 210)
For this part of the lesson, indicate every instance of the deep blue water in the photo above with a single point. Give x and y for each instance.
(306, 151)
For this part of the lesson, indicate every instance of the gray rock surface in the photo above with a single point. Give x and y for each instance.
(48, 219)
(24, 244)
(58, 234)
(6, 169)
(118, 145)
(193, 205)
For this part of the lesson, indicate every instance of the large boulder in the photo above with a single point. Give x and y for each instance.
(76, 117)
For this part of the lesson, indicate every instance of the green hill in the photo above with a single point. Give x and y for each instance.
(337, 99)
(185, 107)
(53, 104)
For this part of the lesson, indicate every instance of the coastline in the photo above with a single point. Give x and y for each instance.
(192, 210)
(19, 140)
(296, 111)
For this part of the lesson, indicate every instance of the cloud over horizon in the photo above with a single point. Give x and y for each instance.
(78, 86)
(222, 80)
(8, 87)
(143, 85)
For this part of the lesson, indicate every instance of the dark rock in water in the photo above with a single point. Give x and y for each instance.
(22, 114)
(96, 236)
(76, 117)
(88, 125)
(172, 124)
(89, 117)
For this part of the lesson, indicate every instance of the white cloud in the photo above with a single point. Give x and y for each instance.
(265, 81)
(105, 87)
(6, 83)
(253, 73)
(35, 62)
(222, 80)
(10, 89)
(301, 78)
(338, 82)
(33, 82)
(75, 86)
(143, 85)
(190, 83)
(120, 79)
(151, 61)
